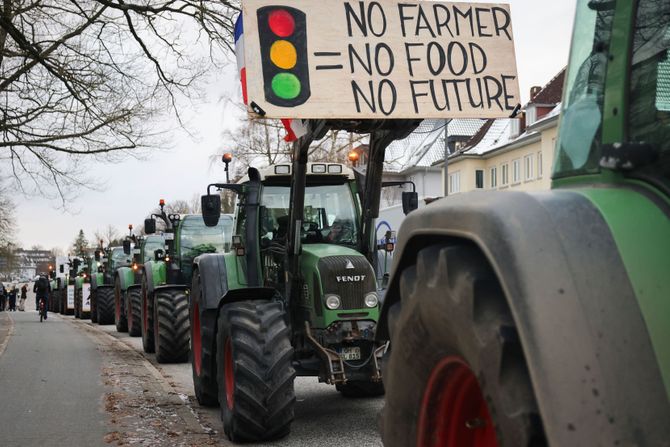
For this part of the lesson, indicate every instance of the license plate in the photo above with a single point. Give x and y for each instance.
(353, 353)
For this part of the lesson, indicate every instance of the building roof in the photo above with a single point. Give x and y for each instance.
(550, 93)
(425, 146)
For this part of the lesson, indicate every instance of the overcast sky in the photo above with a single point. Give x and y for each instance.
(130, 189)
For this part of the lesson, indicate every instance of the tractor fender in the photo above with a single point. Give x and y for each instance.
(96, 278)
(213, 278)
(581, 327)
(155, 274)
(126, 277)
(133, 286)
(78, 281)
(171, 287)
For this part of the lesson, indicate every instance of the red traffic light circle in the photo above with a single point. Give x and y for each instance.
(281, 22)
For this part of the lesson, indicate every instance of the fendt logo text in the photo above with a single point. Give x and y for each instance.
(351, 278)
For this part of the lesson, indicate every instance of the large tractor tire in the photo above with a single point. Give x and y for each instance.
(457, 374)
(120, 319)
(358, 388)
(134, 312)
(171, 326)
(94, 309)
(105, 305)
(147, 321)
(255, 375)
(77, 306)
(203, 349)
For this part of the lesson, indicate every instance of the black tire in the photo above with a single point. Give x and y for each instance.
(253, 343)
(203, 348)
(452, 307)
(120, 319)
(94, 309)
(105, 305)
(171, 326)
(356, 388)
(147, 318)
(134, 312)
(77, 306)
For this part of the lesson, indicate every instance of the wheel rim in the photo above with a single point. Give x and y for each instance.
(230, 380)
(453, 410)
(197, 341)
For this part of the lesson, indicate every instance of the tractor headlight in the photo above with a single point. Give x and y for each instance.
(371, 299)
(333, 302)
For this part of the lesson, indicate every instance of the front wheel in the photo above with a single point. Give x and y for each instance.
(94, 309)
(254, 372)
(147, 318)
(203, 348)
(105, 305)
(457, 375)
(120, 319)
(134, 312)
(171, 326)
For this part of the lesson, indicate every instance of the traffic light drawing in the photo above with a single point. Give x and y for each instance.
(283, 37)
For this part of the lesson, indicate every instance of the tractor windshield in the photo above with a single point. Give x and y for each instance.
(196, 238)
(330, 214)
(151, 244)
(578, 150)
(119, 258)
(649, 96)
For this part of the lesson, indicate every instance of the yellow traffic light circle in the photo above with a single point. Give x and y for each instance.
(283, 54)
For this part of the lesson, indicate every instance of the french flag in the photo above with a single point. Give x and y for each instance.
(294, 128)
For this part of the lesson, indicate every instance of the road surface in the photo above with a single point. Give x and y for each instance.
(96, 387)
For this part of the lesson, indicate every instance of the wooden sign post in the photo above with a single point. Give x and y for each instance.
(379, 59)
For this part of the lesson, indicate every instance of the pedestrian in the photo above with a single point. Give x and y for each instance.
(24, 295)
(3, 297)
(12, 298)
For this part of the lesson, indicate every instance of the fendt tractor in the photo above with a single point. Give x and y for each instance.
(57, 274)
(102, 285)
(123, 276)
(71, 269)
(534, 319)
(297, 295)
(82, 291)
(130, 278)
(166, 281)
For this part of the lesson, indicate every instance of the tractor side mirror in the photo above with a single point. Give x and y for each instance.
(410, 201)
(211, 209)
(96, 255)
(61, 268)
(150, 226)
(126, 246)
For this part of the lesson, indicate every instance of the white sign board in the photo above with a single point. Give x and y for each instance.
(70, 297)
(379, 59)
(86, 297)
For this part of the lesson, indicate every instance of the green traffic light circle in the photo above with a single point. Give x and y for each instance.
(286, 85)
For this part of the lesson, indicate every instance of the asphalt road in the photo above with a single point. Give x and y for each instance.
(50, 388)
(71, 382)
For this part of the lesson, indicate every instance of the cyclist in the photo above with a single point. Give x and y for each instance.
(42, 289)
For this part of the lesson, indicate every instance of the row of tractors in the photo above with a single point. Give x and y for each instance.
(141, 286)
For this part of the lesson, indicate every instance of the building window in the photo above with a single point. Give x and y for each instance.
(479, 179)
(455, 182)
(516, 170)
(539, 165)
(505, 174)
(493, 174)
(528, 167)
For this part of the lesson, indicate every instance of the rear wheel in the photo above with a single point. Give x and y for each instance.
(77, 306)
(203, 349)
(105, 305)
(171, 326)
(94, 309)
(457, 374)
(147, 318)
(134, 312)
(119, 308)
(255, 376)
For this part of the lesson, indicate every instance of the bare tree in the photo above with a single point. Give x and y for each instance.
(88, 78)
(109, 236)
(7, 223)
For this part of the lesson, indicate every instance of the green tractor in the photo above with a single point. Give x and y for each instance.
(540, 319)
(72, 268)
(296, 296)
(103, 307)
(166, 281)
(130, 279)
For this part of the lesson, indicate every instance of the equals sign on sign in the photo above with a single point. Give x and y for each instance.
(328, 54)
